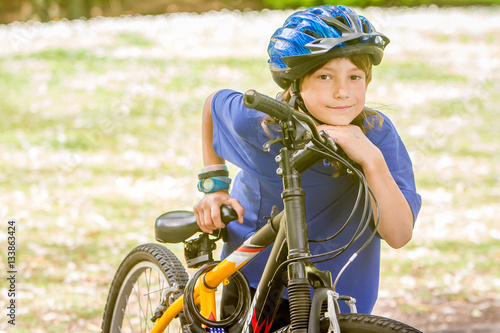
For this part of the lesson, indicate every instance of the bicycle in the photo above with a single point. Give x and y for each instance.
(152, 292)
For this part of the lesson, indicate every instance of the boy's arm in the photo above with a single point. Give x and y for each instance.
(396, 216)
(207, 211)
(207, 130)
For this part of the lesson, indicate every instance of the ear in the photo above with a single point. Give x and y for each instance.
(295, 87)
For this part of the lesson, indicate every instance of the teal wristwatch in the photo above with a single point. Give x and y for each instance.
(214, 184)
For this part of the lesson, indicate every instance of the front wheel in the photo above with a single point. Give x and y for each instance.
(139, 287)
(363, 323)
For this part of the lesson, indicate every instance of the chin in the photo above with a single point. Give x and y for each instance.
(338, 122)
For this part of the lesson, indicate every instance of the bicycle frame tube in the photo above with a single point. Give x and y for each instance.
(268, 295)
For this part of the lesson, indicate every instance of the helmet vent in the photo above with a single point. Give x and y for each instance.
(339, 23)
(342, 19)
(366, 27)
(312, 34)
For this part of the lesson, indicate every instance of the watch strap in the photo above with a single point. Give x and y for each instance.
(216, 173)
(220, 183)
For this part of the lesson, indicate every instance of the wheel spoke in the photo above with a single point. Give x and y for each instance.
(129, 320)
(138, 289)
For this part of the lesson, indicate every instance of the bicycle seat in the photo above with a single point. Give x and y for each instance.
(175, 226)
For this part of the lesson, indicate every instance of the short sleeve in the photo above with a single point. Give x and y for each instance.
(398, 161)
(238, 136)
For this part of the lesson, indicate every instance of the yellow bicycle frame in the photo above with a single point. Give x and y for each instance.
(204, 293)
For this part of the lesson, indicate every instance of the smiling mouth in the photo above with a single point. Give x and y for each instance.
(341, 107)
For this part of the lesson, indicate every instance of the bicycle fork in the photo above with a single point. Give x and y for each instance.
(298, 248)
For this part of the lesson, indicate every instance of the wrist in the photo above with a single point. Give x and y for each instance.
(213, 178)
(215, 170)
(214, 167)
(374, 162)
(214, 184)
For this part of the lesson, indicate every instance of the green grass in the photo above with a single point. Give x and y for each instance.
(101, 118)
(475, 122)
(133, 39)
(452, 273)
(469, 190)
(464, 38)
(447, 256)
(414, 71)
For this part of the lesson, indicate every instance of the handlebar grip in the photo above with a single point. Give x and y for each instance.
(227, 214)
(276, 109)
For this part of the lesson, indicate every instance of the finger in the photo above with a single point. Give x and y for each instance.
(198, 214)
(207, 221)
(197, 217)
(203, 227)
(238, 208)
(215, 215)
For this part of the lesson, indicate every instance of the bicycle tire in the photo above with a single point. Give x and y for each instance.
(364, 323)
(149, 268)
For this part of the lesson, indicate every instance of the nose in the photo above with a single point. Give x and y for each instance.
(341, 89)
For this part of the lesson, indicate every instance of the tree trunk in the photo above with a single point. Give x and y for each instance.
(78, 9)
(40, 10)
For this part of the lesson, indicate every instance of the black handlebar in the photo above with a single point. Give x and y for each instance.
(276, 109)
(227, 214)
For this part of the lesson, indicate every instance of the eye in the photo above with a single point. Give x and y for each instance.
(356, 77)
(324, 77)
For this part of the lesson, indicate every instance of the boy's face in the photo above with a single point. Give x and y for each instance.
(335, 93)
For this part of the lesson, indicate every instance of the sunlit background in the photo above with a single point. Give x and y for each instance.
(100, 110)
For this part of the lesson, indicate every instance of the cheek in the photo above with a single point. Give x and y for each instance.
(313, 94)
(361, 91)
(362, 97)
(359, 94)
(308, 96)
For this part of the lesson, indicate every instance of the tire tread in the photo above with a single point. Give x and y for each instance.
(353, 321)
(168, 262)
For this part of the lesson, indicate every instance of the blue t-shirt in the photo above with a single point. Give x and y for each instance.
(238, 137)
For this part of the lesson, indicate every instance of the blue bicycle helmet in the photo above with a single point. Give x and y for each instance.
(316, 35)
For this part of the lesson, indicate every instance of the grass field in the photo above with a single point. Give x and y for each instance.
(100, 134)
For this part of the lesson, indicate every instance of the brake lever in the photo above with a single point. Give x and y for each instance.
(329, 140)
(330, 143)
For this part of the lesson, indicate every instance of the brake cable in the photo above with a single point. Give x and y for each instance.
(365, 220)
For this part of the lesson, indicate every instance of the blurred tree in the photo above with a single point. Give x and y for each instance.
(115, 7)
(79, 8)
(292, 3)
(46, 10)
(40, 10)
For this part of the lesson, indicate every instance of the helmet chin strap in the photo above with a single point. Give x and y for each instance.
(297, 102)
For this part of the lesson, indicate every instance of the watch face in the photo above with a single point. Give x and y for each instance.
(207, 184)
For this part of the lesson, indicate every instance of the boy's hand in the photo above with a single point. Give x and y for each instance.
(207, 211)
(353, 142)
